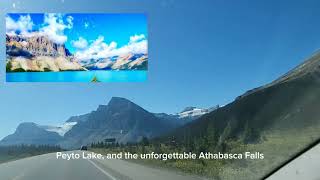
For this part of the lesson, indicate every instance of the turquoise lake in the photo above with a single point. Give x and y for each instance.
(78, 76)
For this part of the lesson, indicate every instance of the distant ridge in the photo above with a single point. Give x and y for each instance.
(120, 118)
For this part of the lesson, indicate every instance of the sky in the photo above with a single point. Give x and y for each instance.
(201, 53)
(87, 36)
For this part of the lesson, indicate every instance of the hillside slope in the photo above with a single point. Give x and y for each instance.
(278, 120)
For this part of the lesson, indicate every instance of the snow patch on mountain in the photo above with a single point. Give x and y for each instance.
(62, 129)
(192, 112)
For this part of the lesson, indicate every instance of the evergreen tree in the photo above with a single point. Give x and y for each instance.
(211, 137)
(145, 141)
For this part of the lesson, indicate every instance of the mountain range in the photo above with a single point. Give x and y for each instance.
(31, 133)
(289, 102)
(279, 105)
(120, 119)
(37, 53)
(279, 119)
(126, 62)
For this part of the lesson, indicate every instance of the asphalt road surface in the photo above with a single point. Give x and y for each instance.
(48, 167)
(306, 166)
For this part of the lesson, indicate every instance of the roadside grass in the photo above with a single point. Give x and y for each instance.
(277, 147)
(12, 153)
(7, 158)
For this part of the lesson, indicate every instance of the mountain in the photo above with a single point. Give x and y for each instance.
(289, 102)
(187, 115)
(126, 62)
(36, 45)
(37, 53)
(278, 119)
(31, 133)
(309, 66)
(120, 119)
(81, 118)
(194, 112)
(131, 62)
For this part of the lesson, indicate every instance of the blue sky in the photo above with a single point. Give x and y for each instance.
(201, 53)
(114, 27)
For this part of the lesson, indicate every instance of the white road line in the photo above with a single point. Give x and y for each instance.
(103, 171)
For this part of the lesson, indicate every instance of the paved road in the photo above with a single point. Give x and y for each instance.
(306, 166)
(48, 167)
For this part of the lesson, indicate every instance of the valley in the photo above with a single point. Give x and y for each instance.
(276, 120)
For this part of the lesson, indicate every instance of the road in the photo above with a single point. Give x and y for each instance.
(48, 167)
(305, 166)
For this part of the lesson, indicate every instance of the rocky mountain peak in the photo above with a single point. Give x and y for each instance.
(119, 103)
(31, 133)
(26, 125)
(36, 44)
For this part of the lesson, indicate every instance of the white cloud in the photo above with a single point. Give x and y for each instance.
(70, 22)
(96, 50)
(24, 25)
(137, 38)
(81, 43)
(54, 27)
(99, 49)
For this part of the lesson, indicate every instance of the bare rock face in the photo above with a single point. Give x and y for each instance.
(38, 53)
(44, 63)
(124, 62)
(42, 46)
(36, 45)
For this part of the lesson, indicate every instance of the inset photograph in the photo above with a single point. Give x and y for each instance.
(76, 47)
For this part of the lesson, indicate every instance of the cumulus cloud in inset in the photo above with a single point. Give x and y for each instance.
(137, 38)
(81, 43)
(99, 49)
(54, 27)
(23, 25)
